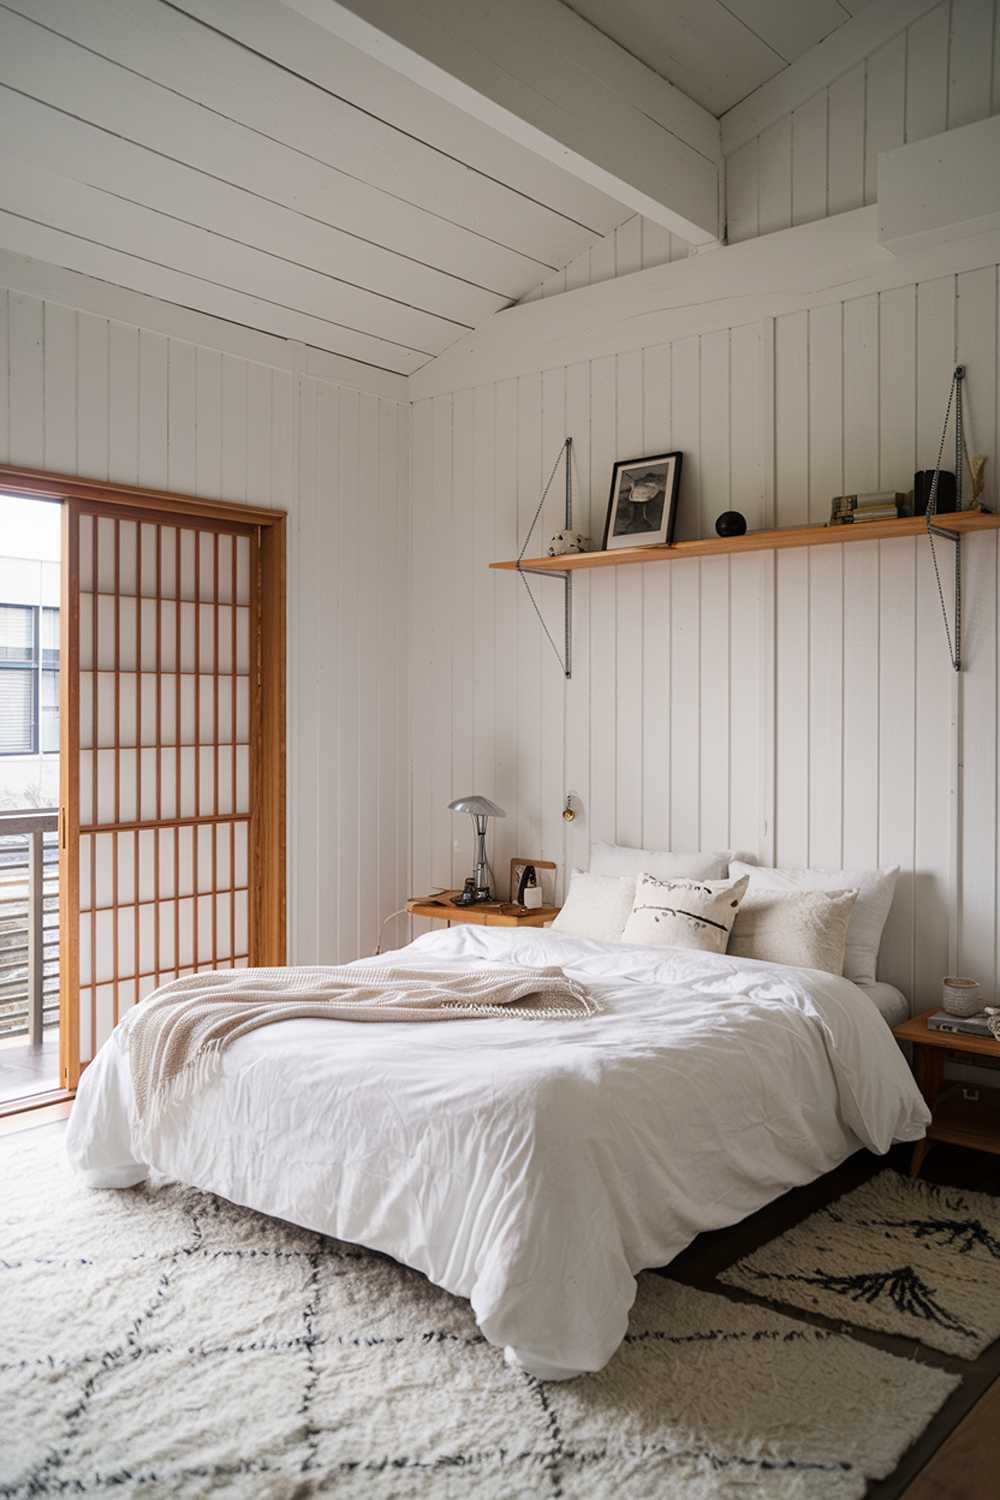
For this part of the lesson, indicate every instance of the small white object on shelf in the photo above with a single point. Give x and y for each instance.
(565, 542)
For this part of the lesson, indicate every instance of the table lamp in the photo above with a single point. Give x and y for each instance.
(477, 885)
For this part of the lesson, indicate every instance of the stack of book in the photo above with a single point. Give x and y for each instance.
(884, 505)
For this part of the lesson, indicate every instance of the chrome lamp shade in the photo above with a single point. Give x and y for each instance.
(480, 809)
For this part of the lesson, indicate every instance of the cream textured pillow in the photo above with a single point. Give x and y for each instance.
(807, 929)
(875, 890)
(597, 906)
(619, 859)
(684, 913)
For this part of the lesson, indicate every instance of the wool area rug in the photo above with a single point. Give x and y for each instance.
(165, 1343)
(898, 1255)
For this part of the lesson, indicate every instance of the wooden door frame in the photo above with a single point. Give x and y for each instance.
(268, 855)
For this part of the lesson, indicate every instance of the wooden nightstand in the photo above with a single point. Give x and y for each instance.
(489, 914)
(954, 1118)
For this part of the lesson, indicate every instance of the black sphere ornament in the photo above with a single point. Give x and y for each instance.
(731, 523)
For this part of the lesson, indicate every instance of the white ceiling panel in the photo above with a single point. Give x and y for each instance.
(315, 194)
(716, 52)
(236, 157)
(160, 43)
(286, 37)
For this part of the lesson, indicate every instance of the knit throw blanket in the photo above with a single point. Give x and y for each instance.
(177, 1036)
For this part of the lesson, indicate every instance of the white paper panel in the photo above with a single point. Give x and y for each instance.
(188, 575)
(127, 532)
(168, 562)
(86, 623)
(105, 1007)
(86, 555)
(148, 560)
(241, 921)
(106, 555)
(242, 860)
(227, 551)
(242, 570)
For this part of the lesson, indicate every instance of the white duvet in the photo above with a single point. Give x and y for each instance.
(533, 1166)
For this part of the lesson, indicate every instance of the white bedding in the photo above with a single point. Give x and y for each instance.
(892, 1004)
(533, 1166)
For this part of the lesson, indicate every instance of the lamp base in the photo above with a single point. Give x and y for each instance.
(473, 895)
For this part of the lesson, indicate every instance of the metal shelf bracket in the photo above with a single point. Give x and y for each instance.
(564, 657)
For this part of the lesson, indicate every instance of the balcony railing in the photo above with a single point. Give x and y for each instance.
(29, 923)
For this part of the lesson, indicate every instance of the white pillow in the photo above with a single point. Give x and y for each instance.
(684, 913)
(875, 890)
(807, 929)
(618, 859)
(597, 906)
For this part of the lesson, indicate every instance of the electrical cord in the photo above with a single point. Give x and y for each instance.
(437, 891)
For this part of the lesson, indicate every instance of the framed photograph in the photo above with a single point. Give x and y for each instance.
(642, 506)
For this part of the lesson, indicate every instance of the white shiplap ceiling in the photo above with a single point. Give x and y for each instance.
(231, 156)
(238, 158)
(717, 51)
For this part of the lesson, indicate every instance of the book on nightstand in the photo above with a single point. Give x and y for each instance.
(977, 1025)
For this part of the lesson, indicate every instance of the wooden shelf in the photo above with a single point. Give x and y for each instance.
(758, 541)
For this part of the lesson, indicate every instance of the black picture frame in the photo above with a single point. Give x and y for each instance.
(649, 522)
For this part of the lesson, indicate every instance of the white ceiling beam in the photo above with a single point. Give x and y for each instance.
(539, 74)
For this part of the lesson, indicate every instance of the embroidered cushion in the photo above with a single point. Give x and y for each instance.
(684, 913)
(807, 929)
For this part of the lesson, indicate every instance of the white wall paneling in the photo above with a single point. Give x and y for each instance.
(635, 245)
(86, 392)
(796, 705)
(807, 144)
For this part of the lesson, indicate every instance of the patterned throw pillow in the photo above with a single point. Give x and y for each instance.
(684, 913)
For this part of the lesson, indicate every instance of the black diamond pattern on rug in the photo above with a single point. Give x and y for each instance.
(897, 1255)
(162, 1342)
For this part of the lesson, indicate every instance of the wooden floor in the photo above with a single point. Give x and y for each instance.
(957, 1457)
(27, 1070)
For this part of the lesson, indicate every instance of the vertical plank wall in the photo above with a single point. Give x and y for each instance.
(935, 74)
(88, 395)
(796, 705)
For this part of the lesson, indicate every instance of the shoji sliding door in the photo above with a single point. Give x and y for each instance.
(172, 745)
(167, 640)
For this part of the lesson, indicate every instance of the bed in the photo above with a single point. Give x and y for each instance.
(533, 1166)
